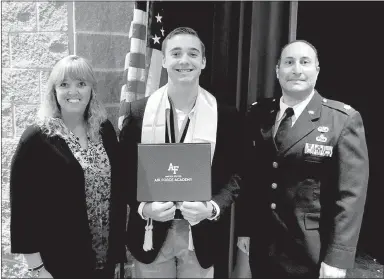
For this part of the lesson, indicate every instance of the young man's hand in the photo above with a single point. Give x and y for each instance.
(196, 211)
(159, 211)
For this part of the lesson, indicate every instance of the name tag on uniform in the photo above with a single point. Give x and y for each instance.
(318, 150)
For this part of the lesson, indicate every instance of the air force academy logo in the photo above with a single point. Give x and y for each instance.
(173, 168)
(173, 177)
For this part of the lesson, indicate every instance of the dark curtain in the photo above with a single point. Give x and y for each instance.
(269, 27)
(260, 29)
(224, 57)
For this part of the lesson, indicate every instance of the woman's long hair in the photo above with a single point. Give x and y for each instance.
(49, 115)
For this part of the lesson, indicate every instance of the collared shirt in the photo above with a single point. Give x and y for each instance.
(297, 110)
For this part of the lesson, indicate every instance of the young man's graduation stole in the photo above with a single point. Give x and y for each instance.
(202, 128)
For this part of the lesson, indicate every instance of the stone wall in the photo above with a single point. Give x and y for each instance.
(101, 35)
(35, 35)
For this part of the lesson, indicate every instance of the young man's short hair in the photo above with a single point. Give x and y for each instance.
(182, 31)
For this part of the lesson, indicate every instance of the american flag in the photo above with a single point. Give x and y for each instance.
(143, 64)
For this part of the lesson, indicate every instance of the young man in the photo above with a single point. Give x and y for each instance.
(307, 177)
(183, 247)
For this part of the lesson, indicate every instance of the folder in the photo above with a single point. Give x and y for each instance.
(174, 172)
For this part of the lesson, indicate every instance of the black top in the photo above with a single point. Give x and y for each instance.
(48, 204)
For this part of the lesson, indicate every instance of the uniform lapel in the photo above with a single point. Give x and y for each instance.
(304, 124)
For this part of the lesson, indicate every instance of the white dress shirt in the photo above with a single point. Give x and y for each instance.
(297, 110)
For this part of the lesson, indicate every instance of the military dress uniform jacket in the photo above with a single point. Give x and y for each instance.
(303, 204)
(225, 187)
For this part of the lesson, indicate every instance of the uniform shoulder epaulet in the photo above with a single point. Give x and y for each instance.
(263, 103)
(344, 108)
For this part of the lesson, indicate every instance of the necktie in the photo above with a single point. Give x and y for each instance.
(285, 125)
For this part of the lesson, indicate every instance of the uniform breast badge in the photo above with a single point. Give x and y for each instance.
(318, 150)
(321, 138)
(323, 129)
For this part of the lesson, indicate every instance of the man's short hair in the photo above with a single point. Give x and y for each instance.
(182, 31)
(299, 41)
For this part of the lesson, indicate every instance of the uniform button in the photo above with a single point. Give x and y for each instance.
(273, 206)
(275, 165)
(274, 185)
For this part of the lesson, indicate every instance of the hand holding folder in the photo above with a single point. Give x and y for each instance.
(196, 211)
(159, 211)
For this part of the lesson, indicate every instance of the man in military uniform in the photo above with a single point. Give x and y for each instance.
(305, 177)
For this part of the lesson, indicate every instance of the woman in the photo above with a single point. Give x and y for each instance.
(67, 215)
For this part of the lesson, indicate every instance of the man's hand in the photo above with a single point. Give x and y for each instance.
(327, 271)
(196, 211)
(159, 211)
(243, 244)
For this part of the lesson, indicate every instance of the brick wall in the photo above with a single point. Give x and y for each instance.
(35, 35)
